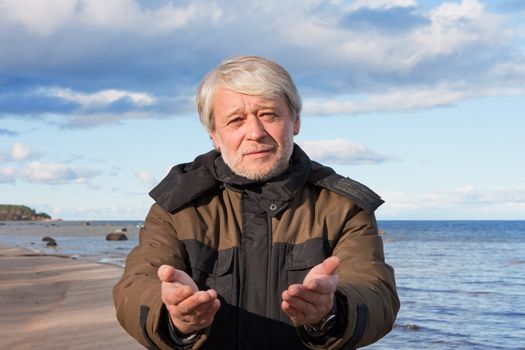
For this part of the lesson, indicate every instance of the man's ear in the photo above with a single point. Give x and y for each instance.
(297, 124)
(213, 137)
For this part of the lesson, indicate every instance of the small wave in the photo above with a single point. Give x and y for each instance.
(408, 326)
(516, 262)
(479, 293)
(112, 261)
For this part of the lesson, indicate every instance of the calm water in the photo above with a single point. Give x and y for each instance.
(461, 283)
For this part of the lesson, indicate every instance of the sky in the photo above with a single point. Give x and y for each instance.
(422, 101)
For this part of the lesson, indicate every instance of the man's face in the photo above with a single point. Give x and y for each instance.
(253, 133)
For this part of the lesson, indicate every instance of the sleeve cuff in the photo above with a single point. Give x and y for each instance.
(316, 340)
(185, 341)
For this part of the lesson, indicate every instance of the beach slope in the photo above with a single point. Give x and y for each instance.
(54, 302)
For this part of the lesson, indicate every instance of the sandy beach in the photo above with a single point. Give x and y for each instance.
(57, 302)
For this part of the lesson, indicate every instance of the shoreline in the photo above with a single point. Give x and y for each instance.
(54, 301)
(75, 239)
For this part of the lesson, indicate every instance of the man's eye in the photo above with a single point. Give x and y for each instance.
(268, 115)
(234, 121)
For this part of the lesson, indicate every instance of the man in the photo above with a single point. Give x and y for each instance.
(253, 245)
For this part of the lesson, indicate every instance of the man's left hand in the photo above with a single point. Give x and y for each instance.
(309, 302)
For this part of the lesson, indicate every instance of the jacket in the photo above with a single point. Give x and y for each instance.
(250, 241)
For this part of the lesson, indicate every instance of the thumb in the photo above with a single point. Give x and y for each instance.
(170, 274)
(329, 265)
(322, 271)
(166, 273)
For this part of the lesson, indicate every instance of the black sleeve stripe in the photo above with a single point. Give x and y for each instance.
(144, 310)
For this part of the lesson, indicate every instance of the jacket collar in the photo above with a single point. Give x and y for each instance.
(186, 182)
(207, 172)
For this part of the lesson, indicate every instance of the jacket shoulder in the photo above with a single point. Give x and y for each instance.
(186, 182)
(360, 194)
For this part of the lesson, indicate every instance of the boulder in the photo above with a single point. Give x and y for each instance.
(116, 236)
(48, 239)
(52, 243)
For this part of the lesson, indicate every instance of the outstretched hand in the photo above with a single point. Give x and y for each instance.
(190, 310)
(309, 302)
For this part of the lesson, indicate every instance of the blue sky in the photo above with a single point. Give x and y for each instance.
(421, 101)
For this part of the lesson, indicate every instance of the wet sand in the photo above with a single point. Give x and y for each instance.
(56, 302)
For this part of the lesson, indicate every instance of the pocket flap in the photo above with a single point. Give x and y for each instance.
(305, 255)
(224, 262)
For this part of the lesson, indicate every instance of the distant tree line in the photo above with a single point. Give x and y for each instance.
(20, 212)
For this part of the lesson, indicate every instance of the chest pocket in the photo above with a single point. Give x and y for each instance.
(212, 269)
(302, 257)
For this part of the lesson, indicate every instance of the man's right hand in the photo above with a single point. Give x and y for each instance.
(190, 309)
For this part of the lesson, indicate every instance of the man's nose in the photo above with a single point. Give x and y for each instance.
(255, 129)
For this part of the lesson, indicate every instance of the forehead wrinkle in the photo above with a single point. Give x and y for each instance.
(245, 106)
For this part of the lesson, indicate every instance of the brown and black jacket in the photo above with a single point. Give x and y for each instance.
(250, 241)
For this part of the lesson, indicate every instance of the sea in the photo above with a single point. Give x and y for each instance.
(461, 283)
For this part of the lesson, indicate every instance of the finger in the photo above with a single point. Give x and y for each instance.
(206, 319)
(196, 304)
(323, 285)
(309, 296)
(303, 306)
(211, 311)
(166, 273)
(295, 315)
(212, 293)
(305, 312)
(174, 293)
(288, 309)
(295, 289)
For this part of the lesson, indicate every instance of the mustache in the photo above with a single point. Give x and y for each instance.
(263, 147)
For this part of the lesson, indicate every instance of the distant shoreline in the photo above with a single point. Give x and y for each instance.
(14, 212)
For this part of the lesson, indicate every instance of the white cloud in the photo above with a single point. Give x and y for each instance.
(451, 29)
(399, 200)
(54, 173)
(7, 175)
(340, 151)
(171, 17)
(20, 151)
(465, 203)
(381, 4)
(468, 195)
(99, 98)
(39, 17)
(405, 98)
(454, 28)
(120, 14)
(47, 17)
(454, 12)
(146, 178)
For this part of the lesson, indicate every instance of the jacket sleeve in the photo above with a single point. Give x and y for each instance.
(137, 296)
(366, 283)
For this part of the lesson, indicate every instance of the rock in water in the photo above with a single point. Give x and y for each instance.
(116, 236)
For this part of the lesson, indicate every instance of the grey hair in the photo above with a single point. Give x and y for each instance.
(250, 75)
